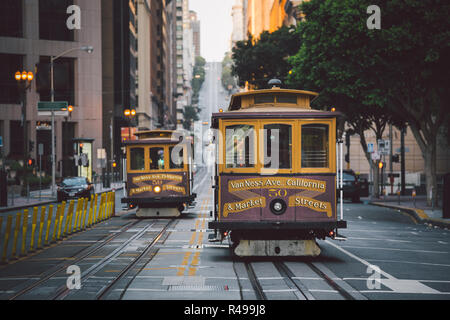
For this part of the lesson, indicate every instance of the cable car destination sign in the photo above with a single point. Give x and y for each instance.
(256, 192)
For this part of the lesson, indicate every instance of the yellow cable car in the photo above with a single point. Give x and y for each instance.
(275, 183)
(159, 173)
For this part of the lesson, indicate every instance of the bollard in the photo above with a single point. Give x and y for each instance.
(24, 231)
(100, 212)
(84, 213)
(49, 221)
(16, 233)
(106, 205)
(77, 215)
(56, 224)
(61, 217)
(69, 214)
(74, 225)
(41, 226)
(94, 218)
(114, 204)
(33, 228)
(90, 211)
(80, 214)
(6, 241)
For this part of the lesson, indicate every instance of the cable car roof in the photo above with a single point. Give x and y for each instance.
(157, 136)
(275, 97)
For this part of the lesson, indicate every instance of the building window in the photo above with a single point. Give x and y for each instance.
(11, 18)
(63, 77)
(9, 89)
(52, 20)
(15, 139)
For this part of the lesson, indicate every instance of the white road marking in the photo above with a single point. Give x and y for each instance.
(412, 262)
(380, 239)
(397, 285)
(395, 249)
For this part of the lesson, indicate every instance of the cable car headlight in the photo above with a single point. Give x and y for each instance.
(278, 206)
(157, 189)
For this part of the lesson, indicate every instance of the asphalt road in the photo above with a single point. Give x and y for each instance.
(385, 256)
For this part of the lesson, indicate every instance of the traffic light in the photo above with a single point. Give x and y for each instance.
(380, 164)
(395, 158)
(30, 145)
(114, 164)
(30, 162)
(81, 148)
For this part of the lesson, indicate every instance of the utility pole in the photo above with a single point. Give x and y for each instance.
(402, 161)
(391, 179)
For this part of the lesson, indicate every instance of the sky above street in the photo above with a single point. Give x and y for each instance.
(215, 27)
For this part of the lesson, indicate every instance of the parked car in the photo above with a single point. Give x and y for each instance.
(351, 185)
(74, 187)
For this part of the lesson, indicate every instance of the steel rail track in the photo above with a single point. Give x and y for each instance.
(80, 256)
(300, 291)
(259, 292)
(102, 294)
(63, 291)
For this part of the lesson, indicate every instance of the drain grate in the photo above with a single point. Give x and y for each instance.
(196, 288)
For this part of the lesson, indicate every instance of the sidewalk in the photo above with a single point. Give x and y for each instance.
(20, 202)
(418, 209)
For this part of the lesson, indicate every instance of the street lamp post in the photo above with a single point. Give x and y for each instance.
(88, 49)
(24, 79)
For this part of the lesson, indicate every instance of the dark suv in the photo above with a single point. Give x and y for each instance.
(75, 187)
(351, 185)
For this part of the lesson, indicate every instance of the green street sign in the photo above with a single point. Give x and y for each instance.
(52, 106)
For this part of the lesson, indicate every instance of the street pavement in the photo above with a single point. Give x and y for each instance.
(386, 255)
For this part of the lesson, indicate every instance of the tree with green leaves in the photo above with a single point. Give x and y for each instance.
(400, 70)
(259, 60)
(190, 115)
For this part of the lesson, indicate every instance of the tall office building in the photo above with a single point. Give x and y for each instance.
(119, 70)
(31, 32)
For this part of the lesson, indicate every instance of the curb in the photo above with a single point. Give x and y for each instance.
(42, 203)
(418, 215)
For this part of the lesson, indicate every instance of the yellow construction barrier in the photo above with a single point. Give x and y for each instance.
(7, 234)
(94, 218)
(56, 224)
(68, 217)
(49, 221)
(89, 223)
(24, 231)
(16, 233)
(86, 200)
(88, 212)
(41, 227)
(33, 227)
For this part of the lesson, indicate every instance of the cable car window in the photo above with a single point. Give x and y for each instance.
(156, 158)
(264, 98)
(240, 141)
(315, 146)
(176, 157)
(278, 146)
(287, 98)
(137, 159)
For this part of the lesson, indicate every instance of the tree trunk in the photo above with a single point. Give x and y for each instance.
(430, 173)
(427, 144)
